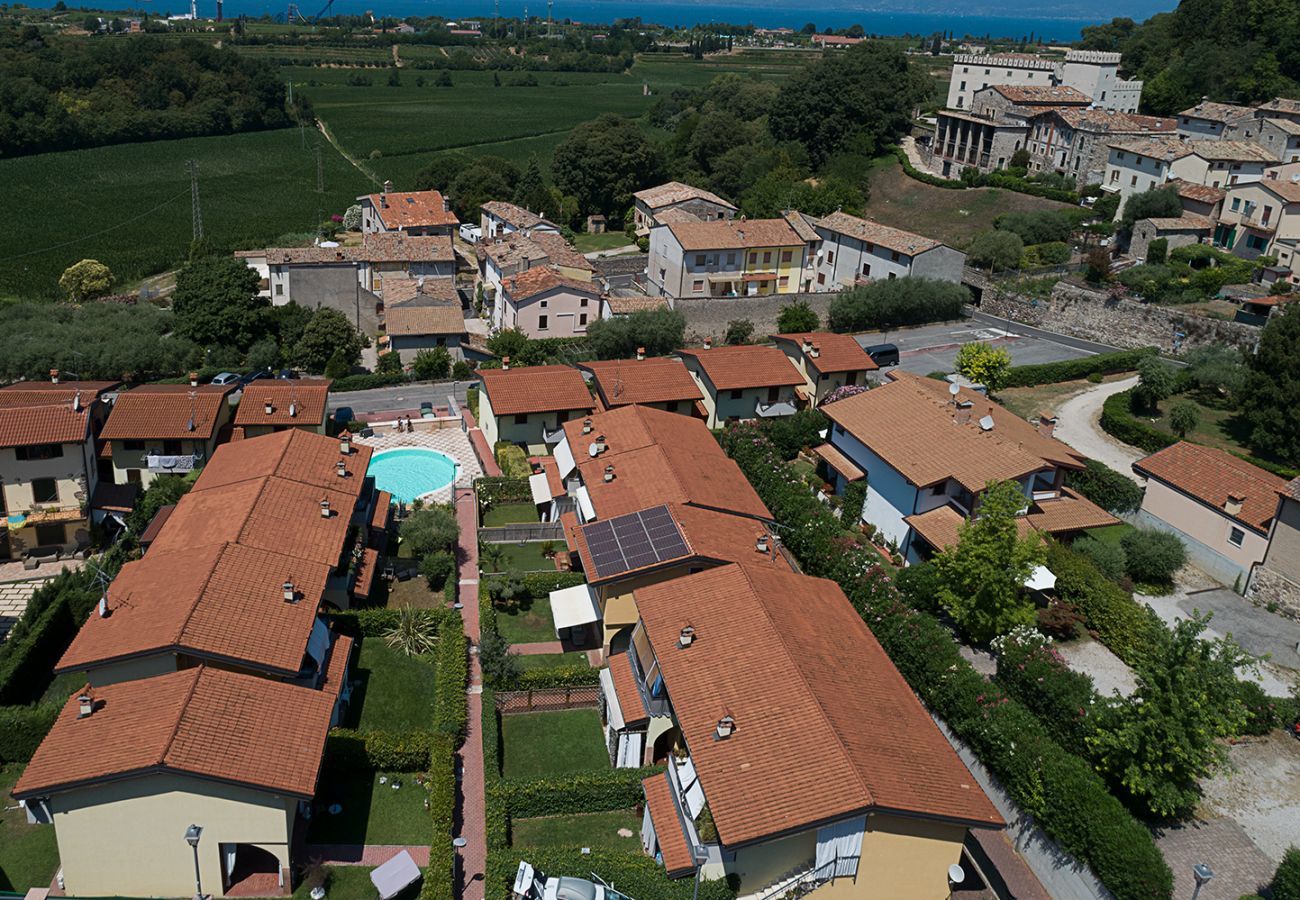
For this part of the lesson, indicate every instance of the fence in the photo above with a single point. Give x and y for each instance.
(523, 531)
(584, 696)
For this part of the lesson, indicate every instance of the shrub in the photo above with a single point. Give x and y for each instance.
(22, 728)
(1034, 673)
(1155, 382)
(406, 751)
(560, 676)
(1158, 251)
(366, 382)
(500, 667)
(1286, 880)
(1118, 421)
(1061, 621)
(1123, 625)
(995, 250)
(797, 318)
(440, 876)
(1069, 370)
(512, 460)
(581, 792)
(633, 873)
(739, 331)
(1153, 556)
(984, 364)
(450, 716)
(900, 301)
(790, 434)
(1105, 487)
(411, 634)
(437, 568)
(1054, 253)
(429, 530)
(431, 365)
(1109, 558)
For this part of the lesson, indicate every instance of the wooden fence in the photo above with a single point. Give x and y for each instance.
(583, 696)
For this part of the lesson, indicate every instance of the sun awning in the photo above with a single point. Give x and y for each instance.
(760, 276)
(572, 607)
(319, 641)
(583, 496)
(1041, 579)
(613, 710)
(563, 454)
(541, 490)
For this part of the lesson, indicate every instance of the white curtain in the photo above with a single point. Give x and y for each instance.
(230, 851)
(841, 843)
(631, 748)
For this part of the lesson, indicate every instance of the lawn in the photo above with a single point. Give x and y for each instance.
(29, 854)
(510, 514)
(129, 205)
(373, 813)
(952, 216)
(1028, 402)
(414, 592)
(551, 660)
(527, 624)
(610, 240)
(395, 692)
(343, 881)
(596, 830)
(538, 745)
(526, 557)
(1218, 426)
(1110, 534)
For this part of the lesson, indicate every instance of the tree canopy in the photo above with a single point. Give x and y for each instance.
(602, 162)
(660, 331)
(328, 336)
(1268, 400)
(217, 305)
(86, 279)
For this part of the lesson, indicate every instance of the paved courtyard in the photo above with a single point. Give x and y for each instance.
(449, 440)
(18, 584)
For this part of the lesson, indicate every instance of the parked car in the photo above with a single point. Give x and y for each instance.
(531, 884)
(288, 374)
(883, 354)
(426, 410)
(343, 415)
(259, 375)
(226, 378)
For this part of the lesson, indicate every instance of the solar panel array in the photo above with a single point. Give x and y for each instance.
(634, 541)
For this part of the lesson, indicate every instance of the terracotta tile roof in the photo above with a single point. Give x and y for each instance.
(551, 469)
(569, 521)
(803, 225)
(513, 252)
(293, 455)
(513, 215)
(839, 462)
(1212, 476)
(1233, 151)
(365, 575)
(1185, 222)
(622, 306)
(540, 279)
(668, 825)
(41, 393)
(874, 233)
(559, 251)
(734, 234)
(1286, 105)
(202, 722)
(940, 527)
(1292, 489)
(808, 675)
(309, 396)
(676, 214)
(397, 246)
(417, 209)
(625, 690)
(336, 665)
(1286, 190)
(659, 457)
(1162, 148)
(533, 389)
(1202, 193)
(409, 319)
(1110, 122)
(910, 424)
(835, 352)
(163, 412)
(676, 192)
(221, 602)
(401, 289)
(383, 514)
(1218, 112)
(150, 534)
(23, 426)
(651, 380)
(746, 366)
(1042, 95)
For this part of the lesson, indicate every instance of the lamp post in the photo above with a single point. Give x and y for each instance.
(699, 856)
(1202, 873)
(192, 838)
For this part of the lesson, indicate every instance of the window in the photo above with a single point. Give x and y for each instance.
(1133, 182)
(783, 281)
(699, 259)
(821, 278)
(132, 476)
(670, 406)
(773, 394)
(1103, 95)
(753, 259)
(521, 419)
(736, 395)
(583, 303)
(938, 490)
(45, 490)
(893, 275)
(279, 289)
(40, 451)
(963, 86)
(767, 257)
(1268, 213)
(171, 448)
(1119, 154)
(830, 257)
(697, 286)
(544, 304)
(1114, 175)
(787, 256)
(442, 342)
(866, 269)
(1236, 536)
(542, 323)
(582, 318)
(1236, 203)
(893, 256)
(731, 259)
(869, 247)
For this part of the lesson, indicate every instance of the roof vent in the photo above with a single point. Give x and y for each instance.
(963, 413)
(986, 423)
(640, 352)
(686, 636)
(324, 509)
(505, 363)
(586, 426)
(807, 345)
(726, 727)
(761, 544)
(267, 406)
(1232, 506)
(76, 402)
(290, 595)
(815, 351)
(86, 706)
(345, 442)
(708, 343)
(1046, 424)
(609, 473)
(103, 605)
(341, 469)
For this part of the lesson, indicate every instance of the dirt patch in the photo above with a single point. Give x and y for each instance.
(1260, 790)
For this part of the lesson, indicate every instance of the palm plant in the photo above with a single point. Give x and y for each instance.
(412, 634)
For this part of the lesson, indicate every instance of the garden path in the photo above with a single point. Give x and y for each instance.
(1079, 426)
(537, 648)
(473, 800)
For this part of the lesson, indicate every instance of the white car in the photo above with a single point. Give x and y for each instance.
(531, 884)
(471, 233)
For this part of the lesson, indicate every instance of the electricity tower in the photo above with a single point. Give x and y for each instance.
(196, 211)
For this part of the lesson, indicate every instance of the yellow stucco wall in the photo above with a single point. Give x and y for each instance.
(251, 431)
(19, 474)
(618, 606)
(791, 270)
(128, 837)
(1198, 521)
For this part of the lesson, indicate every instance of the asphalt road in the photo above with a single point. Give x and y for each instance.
(404, 396)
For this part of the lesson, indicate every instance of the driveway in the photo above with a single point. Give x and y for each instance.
(1079, 425)
(933, 348)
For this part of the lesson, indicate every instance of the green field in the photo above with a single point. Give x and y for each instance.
(129, 205)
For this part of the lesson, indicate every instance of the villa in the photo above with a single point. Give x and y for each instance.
(827, 360)
(499, 218)
(416, 213)
(163, 429)
(528, 406)
(272, 405)
(725, 258)
(663, 383)
(686, 202)
(743, 382)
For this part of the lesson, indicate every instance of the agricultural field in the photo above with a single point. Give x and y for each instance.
(129, 205)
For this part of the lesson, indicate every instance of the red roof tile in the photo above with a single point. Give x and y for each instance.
(652, 380)
(416, 209)
(27, 425)
(308, 396)
(540, 279)
(534, 389)
(835, 352)
(749, 366)
(1212, 476)
(165, 412)
(294, 455)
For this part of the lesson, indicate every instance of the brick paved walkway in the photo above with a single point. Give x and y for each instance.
(473, 825)
(367, 855)
(1239, 866)
(537, 649)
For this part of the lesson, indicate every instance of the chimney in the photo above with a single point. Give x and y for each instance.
(290, 595)
(54, 376)
(446, 205)
(640, 352)
(76, 402)
(686, 636)
(708, 343)
(1232, 506)
(586, 426)
(267, 406)
(1046, 424)
(609, 472)
(86, 706)
(726, 726)
(807, 345)
(815, 352)
(345, 442)
(505, 364)
(963, 414)
(761, 544)
(341, 469)
(324, 509)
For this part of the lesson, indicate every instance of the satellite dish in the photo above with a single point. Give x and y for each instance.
(593, 449)
(955, 874)
(954, 389)
(986, 423)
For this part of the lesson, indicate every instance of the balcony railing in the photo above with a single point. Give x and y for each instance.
(164, 462)
(655, 706)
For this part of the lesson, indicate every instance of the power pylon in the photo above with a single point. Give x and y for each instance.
(196, 211)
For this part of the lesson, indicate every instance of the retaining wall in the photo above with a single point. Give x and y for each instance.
(708, 316)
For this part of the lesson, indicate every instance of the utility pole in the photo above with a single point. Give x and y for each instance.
(524, 24)
(196, 211)
(549, 5)
(290, 83)
(320, 172)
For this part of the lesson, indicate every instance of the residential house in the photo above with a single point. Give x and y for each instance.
(1280, 108)
(1263, 217)
(138, 764)
(1277, 578)
(528, 406)
(1210, 120)
(1076, 142)
(1200, 199)
(1181, 231)
(517, 253)
(415, 213)
(163, 429)
(743, 382)
(282, 404)
(415, 327)
(929, 453)
(1093, 73)
(858, 251)
(835, 41)
(805, 227)
(663, 383)
(878, 803)
(696, 202)
(48, 472)
(1220, 506)
(1280, 137)
(499, 218)
(543, 302)
(725, 258)
(613, 306)
(1138, 166)
(827, 360)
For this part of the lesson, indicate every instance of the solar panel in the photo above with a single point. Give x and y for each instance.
(634, 541)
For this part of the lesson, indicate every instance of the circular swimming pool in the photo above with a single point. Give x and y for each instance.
(411, 472)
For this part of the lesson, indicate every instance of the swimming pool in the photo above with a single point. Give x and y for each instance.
(411, 472)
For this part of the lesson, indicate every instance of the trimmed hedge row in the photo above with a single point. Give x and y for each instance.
(375, 622)
(1127, 627)
(440, 876)
(450, 713)
(397, 751)
(582, 792)
(992, 179)
(1067, 798)
(560, 676)
(22, 728)
(1118, 421)
(1072, 369)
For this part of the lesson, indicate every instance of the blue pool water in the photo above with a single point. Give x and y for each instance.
(411, 472)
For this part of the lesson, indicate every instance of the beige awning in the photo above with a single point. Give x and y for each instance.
(839, 462)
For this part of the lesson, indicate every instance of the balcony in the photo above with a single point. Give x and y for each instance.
(159, 463)
(775, 409)
(656, 704)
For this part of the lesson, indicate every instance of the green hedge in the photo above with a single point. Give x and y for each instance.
(992, 179)
(397, 751)
(925, 177)
(450, 714)
(1118, 421)
(440, 877)
(22, 728)
(1072, 369)
(512, 460)
(633, 874)
(581, 792)
(561, 676)
(1121, 623)
(375, 622)
(540, 584)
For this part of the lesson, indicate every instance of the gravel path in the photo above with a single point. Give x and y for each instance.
(1079, 427)
(1108, 672)
(1260, 789)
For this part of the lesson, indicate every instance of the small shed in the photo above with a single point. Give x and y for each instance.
(596, 224)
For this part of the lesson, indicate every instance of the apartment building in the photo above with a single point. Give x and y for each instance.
(1137, 166)
(733, 258)
(858, 251)
(689, 203)
(1263, 218)
(1076, 142)
(163, 429)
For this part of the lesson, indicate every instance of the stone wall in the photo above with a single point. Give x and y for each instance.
(708, 316)
(1268, 588)
(624, 264)
(1095, 316)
